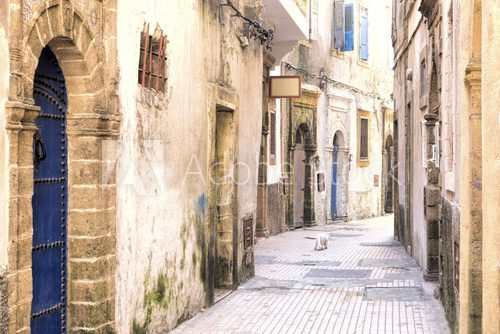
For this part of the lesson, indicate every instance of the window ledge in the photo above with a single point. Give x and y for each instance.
(337, 54)
(423, 102)
(363, 63)
(363, 163)
(272, 160)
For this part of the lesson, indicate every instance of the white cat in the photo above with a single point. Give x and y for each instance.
(321, 241)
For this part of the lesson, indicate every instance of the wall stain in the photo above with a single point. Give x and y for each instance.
(166, 290)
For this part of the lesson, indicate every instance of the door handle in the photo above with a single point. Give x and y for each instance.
(39, 152)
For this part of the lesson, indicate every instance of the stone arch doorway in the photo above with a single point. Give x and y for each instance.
(338, 179)
(90, 120)
(389, 176)
(49, 203)
(302, 203)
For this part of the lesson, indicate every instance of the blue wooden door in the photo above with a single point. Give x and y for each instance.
(333, 203)
(48, 308)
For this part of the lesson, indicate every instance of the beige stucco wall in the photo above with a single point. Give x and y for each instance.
(491, 167)
(4, 151)
(450, 165)
(164, 154)
(464, 48)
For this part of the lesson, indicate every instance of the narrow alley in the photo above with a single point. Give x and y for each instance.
(363, 283)
(168, 165)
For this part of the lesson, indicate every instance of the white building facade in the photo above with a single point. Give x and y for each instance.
(347, 65)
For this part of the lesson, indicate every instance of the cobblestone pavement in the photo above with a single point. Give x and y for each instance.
(363, 283)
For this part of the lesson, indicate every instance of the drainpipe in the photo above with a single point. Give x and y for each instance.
(310, 19)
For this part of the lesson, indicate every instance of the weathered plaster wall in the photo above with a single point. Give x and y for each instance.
(164, 157)
(491, 166)
(464, 52)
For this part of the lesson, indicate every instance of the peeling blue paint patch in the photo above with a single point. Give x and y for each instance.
(202, 204)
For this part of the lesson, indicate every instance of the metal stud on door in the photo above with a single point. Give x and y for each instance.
(49, 252)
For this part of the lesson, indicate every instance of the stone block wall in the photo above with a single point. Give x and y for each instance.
(449, 235)
(276, 209)
(83, 45)
(4, 310)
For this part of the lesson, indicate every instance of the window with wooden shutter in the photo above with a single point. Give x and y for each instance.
(363, 129)
(338, 25)
(272, 137)
(363, 36)
(152, 60)
(348, 27)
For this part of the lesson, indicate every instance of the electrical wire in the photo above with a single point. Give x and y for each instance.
(325, 79)
(255, 27)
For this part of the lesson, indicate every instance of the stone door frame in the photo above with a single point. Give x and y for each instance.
(91, 119)
(303, 115)
(221, 98)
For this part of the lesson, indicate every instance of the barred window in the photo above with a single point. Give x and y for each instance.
(152, 60)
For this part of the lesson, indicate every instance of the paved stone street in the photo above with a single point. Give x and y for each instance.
(363, 283)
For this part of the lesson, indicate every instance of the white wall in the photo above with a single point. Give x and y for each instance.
(274, 171)
(163, 154)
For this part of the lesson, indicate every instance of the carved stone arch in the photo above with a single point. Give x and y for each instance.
(337, 126)
(305, 133)
(77, 50)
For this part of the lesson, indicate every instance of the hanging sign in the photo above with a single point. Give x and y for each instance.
(282, 87)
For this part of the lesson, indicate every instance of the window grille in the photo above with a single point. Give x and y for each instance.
(152, 60)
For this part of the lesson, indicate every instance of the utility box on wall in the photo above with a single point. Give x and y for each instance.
(247, 232)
